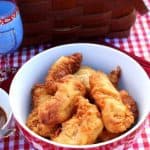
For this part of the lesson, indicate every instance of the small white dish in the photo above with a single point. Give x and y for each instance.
(4, 104)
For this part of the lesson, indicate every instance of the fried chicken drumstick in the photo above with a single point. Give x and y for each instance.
(84, 127)
(63, 66)
(117, 117)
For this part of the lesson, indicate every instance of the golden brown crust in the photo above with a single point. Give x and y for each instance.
(60, 108)
(36, 126)
(39, 95)
(100, 83)
(130, 103)
(83, 75)
(62, 113)
(116, 116)
(63, 66)
(84, 127)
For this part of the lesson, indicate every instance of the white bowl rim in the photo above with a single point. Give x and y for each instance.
(134, 128)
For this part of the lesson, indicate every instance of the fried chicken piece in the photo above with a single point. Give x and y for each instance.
(100, 83)
(116, 116)
(114, 76)
(63, 66)
(39, 95)
(39, 128)
(83, 74)
(84, 127)
(119, 118)
(60, 108)
(130, 103)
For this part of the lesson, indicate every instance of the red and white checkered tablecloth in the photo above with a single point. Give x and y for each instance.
(138, 43)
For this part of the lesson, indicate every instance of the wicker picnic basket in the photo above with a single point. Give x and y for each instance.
(72, 20)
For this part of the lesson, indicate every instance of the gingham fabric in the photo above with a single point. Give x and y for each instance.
(138, 43)
(139, 40)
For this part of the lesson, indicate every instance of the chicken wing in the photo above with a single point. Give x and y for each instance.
(63, 66)
(84, 127)
(83, 74)
(60, 108)
(116, 116)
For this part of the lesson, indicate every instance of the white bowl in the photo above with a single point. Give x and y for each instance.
(4, 104)
(133, 79)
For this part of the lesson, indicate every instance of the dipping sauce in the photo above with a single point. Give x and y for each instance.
(3, 117)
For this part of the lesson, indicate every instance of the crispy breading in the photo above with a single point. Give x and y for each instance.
(84, 127)
(39, 95)
(83, 74)
(39, 128)
(78, 105)
(99, 82)
(116, 116)
(63, 66)
(60, 108)
(130, 103)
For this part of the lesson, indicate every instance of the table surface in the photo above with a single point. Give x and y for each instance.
(138, 43)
